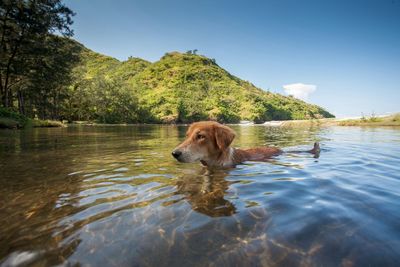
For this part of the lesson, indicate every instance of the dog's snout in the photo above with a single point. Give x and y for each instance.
(176, 153)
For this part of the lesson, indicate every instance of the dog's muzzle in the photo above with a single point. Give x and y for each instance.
(176, 153)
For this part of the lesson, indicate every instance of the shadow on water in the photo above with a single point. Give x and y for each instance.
(113, 196)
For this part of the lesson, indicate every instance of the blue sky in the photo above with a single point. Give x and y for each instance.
(348, 51)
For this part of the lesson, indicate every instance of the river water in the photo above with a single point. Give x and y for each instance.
(114, 196)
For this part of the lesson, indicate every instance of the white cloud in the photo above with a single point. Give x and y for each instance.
(299, 90)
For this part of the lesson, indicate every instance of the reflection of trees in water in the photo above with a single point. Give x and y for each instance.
(205, 193)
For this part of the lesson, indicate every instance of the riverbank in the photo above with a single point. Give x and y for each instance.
(7, 123)
(13, 120)
(390, 120)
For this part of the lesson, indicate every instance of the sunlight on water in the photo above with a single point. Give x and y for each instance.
(113, 196)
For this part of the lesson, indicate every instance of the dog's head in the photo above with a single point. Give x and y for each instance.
(205, 141)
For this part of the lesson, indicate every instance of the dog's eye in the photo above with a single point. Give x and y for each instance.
(200, 136)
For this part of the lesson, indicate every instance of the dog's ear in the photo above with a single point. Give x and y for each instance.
(223, 136)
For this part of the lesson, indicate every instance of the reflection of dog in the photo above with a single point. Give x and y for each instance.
(209, 142)
(205, 192)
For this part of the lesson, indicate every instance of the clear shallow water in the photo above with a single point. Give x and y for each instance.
(113, 196)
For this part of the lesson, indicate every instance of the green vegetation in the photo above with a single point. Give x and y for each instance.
(179, 88)
(13, 120)
(47, 123)
(392, 120)
(49, 76)
(10, 119)
(36, 64)
(8, 123)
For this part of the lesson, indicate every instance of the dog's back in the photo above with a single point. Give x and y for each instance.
(255, 154)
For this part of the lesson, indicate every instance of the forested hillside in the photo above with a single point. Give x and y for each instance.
(180, 87)
(45, 74)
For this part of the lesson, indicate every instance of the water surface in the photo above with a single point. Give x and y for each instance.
(113, 196)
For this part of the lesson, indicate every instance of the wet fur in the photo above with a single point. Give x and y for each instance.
(209, 142)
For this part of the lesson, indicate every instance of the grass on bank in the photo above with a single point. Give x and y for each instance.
(47, 123)
(12, 120)
(392, 120)
(309, 123)
(9, 123)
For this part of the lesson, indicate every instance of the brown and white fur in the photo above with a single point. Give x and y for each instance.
(209, 142)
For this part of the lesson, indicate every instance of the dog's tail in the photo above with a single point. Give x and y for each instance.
(316, 150)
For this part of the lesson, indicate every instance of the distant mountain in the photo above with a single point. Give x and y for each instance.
(183, 87)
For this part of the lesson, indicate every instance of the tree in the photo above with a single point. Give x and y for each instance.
(102, 100)
(24, 27)
(49, 78)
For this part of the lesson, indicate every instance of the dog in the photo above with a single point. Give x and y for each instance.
(209, 142)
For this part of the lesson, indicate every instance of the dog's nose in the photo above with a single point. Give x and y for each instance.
(176, 153)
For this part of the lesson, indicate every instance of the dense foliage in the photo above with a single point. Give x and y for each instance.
(187, 87)
(10, 119)
(35, 64)
(180, 87)
(51, 76)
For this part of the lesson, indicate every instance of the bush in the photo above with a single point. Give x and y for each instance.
(47, 123)
(396, 117)
(11, 119)
(9, 123)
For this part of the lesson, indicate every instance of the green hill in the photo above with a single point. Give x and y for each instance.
(180, 87)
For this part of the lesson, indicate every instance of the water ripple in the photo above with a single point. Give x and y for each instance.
(126, 200)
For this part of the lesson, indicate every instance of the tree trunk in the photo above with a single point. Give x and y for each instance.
(5, 98)
(21, 104)
(6, 87)
(56, 98)
(1, 89)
